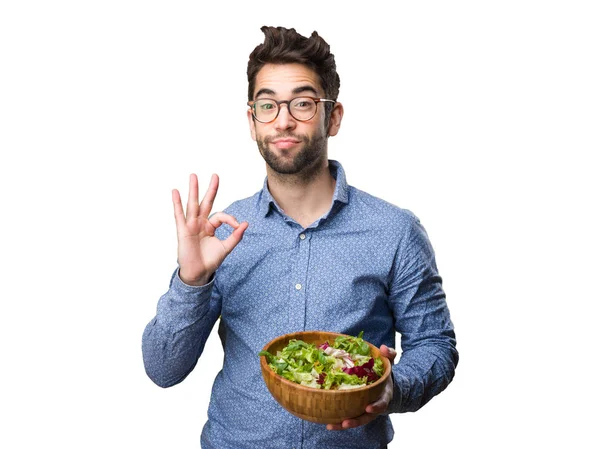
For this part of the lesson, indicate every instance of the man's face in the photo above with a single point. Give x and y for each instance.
(290, 146)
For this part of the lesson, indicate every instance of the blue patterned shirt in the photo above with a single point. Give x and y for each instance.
(364, 265)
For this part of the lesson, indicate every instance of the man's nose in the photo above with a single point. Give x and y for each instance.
(284, 120)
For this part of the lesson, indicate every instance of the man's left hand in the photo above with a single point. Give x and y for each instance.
(375, 408)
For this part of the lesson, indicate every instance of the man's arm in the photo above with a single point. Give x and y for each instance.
(421, 315)
(174, 340)
(429, 356)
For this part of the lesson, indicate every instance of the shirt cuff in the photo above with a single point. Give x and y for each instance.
(395, 404)
(182, 287)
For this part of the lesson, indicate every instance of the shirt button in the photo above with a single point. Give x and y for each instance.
(298, 286)
(302, 236)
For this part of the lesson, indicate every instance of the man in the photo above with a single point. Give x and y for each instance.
(316, 254)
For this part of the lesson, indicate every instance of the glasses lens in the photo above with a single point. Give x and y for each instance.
(265, 110)
(303, 108)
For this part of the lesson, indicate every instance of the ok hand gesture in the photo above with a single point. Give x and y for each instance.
(199, 252)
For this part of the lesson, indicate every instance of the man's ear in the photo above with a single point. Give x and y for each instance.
(252, 125)
(335, 121)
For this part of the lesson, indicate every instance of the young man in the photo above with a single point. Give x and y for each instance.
(316, 254)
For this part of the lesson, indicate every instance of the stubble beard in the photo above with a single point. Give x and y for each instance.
(301, 167)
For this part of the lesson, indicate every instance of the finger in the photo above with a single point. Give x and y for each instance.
(351, 423)
(387, 352)
(360, 421)
(177, 208)
(218, 218)
(382, 403)
(354, 422)
(209, 197)
(236, 237)
(192, 204)
(379, 406)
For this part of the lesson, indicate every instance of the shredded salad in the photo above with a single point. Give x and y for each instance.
(344, 365)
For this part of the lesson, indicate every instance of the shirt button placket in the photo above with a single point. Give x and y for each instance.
(299, 279)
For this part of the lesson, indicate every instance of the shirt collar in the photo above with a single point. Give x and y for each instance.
(340, 194)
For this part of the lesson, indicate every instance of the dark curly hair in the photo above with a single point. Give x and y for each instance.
(286, 46)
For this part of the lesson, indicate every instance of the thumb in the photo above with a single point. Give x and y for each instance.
(236, 236)
(388, 352)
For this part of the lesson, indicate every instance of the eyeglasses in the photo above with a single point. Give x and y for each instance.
(265, 110)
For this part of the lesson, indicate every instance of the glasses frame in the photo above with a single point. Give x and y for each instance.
(317, 100)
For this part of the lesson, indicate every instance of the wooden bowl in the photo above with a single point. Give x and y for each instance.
(317, 405)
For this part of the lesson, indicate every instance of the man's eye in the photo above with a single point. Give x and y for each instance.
(266, 106)
(302, 104)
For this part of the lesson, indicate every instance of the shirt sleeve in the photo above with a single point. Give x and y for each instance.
(429, 356)
(173, 341)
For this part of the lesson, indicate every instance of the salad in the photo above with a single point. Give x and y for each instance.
(344, 365)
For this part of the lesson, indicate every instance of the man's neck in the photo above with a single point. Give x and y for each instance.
(303, 199)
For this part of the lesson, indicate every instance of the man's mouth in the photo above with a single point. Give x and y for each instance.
(285, 143)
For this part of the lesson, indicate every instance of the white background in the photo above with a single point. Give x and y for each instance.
(481, 117)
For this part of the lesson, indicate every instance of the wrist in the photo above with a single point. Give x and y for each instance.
(195, 281)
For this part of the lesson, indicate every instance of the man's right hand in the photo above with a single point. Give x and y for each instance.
(199, 252)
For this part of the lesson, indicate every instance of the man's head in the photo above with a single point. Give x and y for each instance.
(287, 66)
